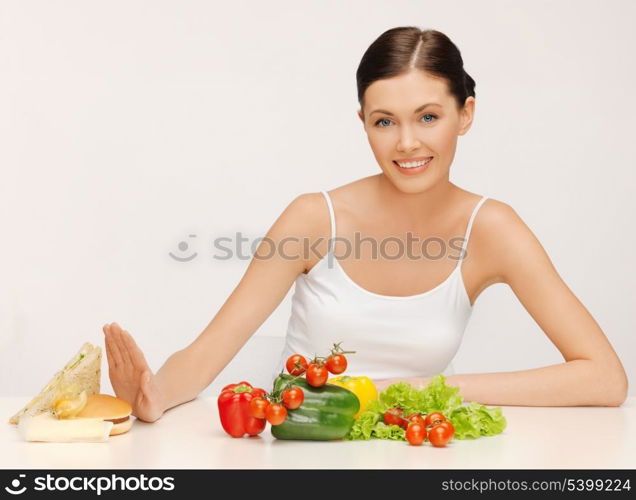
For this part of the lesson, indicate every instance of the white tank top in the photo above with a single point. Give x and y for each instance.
(393, 336)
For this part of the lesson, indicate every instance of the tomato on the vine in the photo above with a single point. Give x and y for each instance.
(448, 424)
(296, 364)
(275, 413)
(439, 435)
(415, 434)
(317, 374)
(433, 417)
(393, 416)
(336, 363)
(293, 397)
(258, 406)
(416, 418)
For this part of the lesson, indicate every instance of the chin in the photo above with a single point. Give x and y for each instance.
(409, 186)
(414, 188)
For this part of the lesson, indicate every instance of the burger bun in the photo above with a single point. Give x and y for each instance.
(109, 408)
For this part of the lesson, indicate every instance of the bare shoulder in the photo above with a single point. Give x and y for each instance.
(306, 224)
(502, 239)
(495, 214)
(304, 204)
(309, 212)
(304, 216)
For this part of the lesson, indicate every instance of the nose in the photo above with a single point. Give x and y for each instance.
(408, 141)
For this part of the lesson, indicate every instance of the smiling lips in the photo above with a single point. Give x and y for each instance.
(413, 166)
(411, 160)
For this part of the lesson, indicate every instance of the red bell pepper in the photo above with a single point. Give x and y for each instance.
(234, 410)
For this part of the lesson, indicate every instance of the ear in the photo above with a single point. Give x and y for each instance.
(466, 115)
(360, 116)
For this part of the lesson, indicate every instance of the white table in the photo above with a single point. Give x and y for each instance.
(190, 436)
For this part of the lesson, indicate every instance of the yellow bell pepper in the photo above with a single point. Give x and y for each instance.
(362, 387)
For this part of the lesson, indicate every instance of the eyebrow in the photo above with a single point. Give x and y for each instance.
(416, 111)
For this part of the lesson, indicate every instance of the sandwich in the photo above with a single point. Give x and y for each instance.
(82, 374)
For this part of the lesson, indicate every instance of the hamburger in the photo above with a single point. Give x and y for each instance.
(110, 409)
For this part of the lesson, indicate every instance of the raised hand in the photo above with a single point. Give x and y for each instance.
(131, 377)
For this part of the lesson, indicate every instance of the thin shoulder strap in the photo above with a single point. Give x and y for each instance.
(468, 229)
(333, 220)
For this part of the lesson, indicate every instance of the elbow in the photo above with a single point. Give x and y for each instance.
(618, 401)
(607, 384)
(621, 395)
(618, 390)
(615, 401)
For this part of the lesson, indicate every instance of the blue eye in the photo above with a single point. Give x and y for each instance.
(427, 121)
(376, 123)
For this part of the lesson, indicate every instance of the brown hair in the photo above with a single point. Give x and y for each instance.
(399, 50)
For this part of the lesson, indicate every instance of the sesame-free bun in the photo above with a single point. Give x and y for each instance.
(121, 427)
(109, 408)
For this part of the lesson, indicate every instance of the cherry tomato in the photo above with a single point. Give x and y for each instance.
(415, 434)
(449, 425)
(336, 363)
(417, 418)
(293, 397)
(254, 426)
(393, 416)
(431, 418)
(439, 435)
(258, 407)
(317, 375)
(275, 413)
(296, 364)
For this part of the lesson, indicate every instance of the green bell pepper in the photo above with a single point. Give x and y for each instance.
(326, 412)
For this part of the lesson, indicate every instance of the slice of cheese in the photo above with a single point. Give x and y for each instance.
(46, 427)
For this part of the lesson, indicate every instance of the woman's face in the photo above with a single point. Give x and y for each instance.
(402, 129)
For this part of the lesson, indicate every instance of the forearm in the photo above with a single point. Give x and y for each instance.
(573, 383)
(183, 377)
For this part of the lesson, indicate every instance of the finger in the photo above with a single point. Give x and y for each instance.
(139, 399)
(114, 346)
(136, 355)
(112, 364)
(145, 383)
(123, 349)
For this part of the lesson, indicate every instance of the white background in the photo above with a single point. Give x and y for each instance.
(125, 126)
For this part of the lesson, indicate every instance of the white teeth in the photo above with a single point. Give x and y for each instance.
(413, 164)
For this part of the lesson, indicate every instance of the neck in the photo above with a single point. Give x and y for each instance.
(418, 208)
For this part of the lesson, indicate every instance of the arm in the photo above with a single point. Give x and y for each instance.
(592, 374)
(189, 371)
(264, 285)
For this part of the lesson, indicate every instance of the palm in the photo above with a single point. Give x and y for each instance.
(127, 368)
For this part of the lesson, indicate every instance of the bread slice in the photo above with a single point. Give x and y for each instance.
(82, 372)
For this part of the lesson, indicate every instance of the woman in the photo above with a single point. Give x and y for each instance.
(403, 315)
